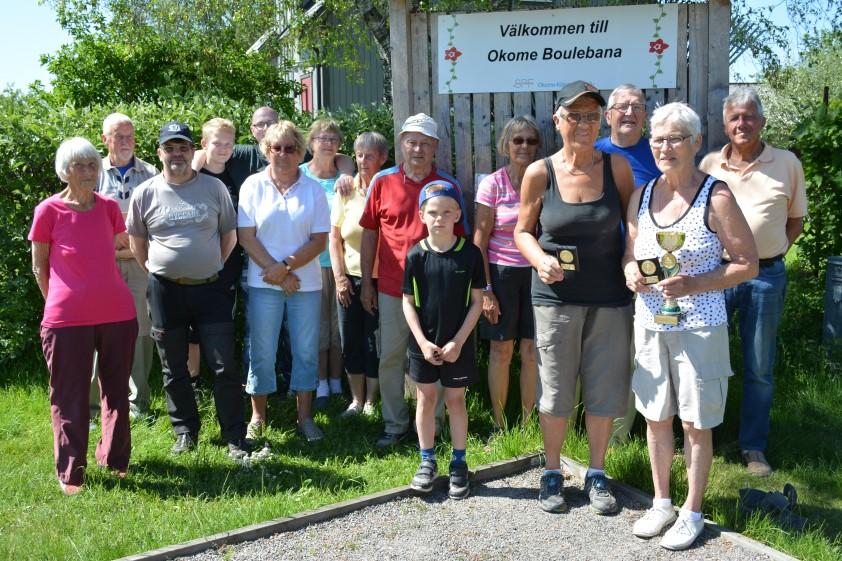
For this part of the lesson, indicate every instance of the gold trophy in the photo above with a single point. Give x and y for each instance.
(670, 241)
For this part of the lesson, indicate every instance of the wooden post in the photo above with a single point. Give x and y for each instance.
(719, 23)
(399, 37)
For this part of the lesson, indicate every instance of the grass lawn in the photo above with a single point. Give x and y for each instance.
(170, 499)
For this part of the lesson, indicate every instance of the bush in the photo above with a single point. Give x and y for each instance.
(819, 140)
(31, 129)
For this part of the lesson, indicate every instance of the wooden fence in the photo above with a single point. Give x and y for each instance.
(469, 123)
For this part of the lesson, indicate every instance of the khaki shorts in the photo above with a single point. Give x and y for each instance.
(682, 372)
(587, 341)
(329, 319)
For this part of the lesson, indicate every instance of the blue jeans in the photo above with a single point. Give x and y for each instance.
(760, 303)
(266, 315)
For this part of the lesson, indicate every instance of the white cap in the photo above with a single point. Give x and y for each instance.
(421, 123)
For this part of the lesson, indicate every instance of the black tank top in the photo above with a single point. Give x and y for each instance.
(595, 228)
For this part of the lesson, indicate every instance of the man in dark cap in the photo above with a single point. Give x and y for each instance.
(182, 227)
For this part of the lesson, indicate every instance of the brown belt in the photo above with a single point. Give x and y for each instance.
(195, 282)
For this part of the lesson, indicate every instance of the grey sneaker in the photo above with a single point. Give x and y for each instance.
(388, 439)
(424, 477)
(756, 463)
(238, 450)
(551, 494)
(184, 442)
(460, 486)
(310, 431)
(600, 495)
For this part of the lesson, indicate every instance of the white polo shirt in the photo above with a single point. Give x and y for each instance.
(284, 223)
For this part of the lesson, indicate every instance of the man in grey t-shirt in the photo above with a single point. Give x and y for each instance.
(182, 227)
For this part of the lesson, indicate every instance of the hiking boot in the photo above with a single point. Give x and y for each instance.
(460, 486)
(600, 495)
(682, 534)
(424, 477)
(551, 494)
(310, 431)
(756, 463)
(388, 439)
(238, 450)
(255, 429)
(654, 522)
(184, 442)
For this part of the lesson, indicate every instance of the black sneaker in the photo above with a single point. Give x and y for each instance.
(388, 439)
(424, 477)
(184, 442)
(551, 494)
(600, 495)
(238, 450)
(460, 486)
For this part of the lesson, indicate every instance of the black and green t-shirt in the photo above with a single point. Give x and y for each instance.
(441, 284)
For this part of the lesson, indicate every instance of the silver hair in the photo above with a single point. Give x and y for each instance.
(679, 113)
(372, 140)
(513, 125)
(742, 96)
(630, 88)
(73, 150)
(114, 120)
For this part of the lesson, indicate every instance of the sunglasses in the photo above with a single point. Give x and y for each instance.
(286, 148)
(529, 141)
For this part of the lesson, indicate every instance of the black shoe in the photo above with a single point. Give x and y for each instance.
(388, 439)
(184, 442)
(424, 477)
(460, 486)
(238, 450)
(551, 493)
(320, 403)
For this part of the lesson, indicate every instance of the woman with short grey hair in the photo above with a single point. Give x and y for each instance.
(88, 308)
(678, 226)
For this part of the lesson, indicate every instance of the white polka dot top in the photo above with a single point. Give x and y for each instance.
(701, 253)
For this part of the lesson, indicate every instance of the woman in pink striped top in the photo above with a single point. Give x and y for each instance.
(507, 305)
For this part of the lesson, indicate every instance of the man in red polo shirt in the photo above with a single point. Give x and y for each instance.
(392, 226)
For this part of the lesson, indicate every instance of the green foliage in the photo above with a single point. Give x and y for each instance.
(819, 141)
(31, 128)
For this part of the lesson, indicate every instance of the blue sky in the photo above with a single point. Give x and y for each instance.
(28, 30)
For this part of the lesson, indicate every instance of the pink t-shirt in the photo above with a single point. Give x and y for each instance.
(496, 191)
(85, 286)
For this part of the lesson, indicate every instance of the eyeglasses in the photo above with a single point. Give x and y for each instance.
(531, 141)
(574, 118)
(285, 148)
(673, 141)
(624, 107)
(92, 165)
(263, 124)
(327, 139)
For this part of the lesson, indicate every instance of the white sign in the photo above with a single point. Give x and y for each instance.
(542, 50)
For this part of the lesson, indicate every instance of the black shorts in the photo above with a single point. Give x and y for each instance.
(513, 289)
(358, 334)
(459, 374)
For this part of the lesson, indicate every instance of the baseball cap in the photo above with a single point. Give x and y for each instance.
(574, 90)
(422, 123)
(438, 188)
(173, 130)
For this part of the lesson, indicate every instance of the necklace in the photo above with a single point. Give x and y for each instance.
(665, 203)
(573, 171)
(282, 187)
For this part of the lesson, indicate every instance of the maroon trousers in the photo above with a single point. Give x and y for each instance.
(69, 352)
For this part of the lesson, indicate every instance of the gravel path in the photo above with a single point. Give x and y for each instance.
(499, 521)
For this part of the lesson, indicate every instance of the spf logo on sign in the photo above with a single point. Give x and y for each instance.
(523, 83)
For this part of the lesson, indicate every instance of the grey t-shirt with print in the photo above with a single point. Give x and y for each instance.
(183, 224)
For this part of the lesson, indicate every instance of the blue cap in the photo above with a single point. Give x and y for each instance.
(173, 130)
(438, 188)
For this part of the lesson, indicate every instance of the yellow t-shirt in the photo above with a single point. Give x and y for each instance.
(345, 215)
(769, 191)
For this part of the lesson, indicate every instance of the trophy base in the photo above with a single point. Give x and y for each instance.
(667, 319)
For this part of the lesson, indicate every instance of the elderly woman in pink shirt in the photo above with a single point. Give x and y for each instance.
(507, 302)
(87, 307)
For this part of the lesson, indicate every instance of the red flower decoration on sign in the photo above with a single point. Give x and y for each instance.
(452, 54)
(658, 46)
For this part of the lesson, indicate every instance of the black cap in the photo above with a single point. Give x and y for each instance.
(574, 90)
(174, 130)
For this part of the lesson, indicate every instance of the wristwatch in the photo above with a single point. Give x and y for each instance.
(488, 288)
(286, 265)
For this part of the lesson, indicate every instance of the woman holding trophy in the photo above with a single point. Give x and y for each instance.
(678, 226)
(570, 230)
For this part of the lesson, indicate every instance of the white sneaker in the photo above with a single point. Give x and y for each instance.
(368, 409)
(653, 522)
(682, 534)
(353, 410)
